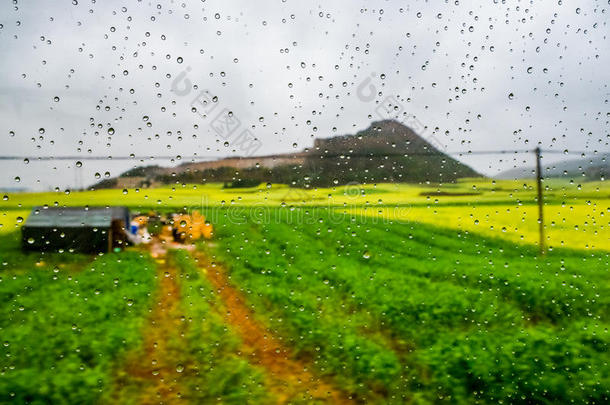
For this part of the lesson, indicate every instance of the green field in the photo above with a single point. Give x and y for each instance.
(391, 293)
(66, 321)
(576, 215)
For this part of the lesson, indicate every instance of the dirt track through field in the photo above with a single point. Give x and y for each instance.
(288, 379)
(153, 374)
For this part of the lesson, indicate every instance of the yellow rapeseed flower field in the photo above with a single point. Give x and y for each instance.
(576, 215)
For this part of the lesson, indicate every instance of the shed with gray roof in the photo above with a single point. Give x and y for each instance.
(75, 229)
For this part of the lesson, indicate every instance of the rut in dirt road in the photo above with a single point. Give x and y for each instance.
(153, 374)
(288, 379)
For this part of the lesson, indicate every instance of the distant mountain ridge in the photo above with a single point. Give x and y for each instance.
(590, 168)
(387, 151)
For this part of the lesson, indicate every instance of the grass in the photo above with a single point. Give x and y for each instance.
(384, 310)
(395, 293)
(65, 320)
(580, 225)
(213, 194)
(215, 372)
(576, 215)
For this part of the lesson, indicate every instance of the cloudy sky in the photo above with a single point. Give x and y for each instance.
(109, 78)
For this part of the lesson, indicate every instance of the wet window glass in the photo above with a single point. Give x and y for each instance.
(296, 202)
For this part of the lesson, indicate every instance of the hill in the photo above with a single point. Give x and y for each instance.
(387, 151)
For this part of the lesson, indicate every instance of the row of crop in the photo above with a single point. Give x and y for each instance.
(315, 322)
(214, 372)
(63, 327)
(564, 284)
(419, 307)
(354, 268)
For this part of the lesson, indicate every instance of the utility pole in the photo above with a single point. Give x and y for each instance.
(540, 201)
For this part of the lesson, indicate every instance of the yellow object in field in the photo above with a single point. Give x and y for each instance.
(166, 233)
(192, 227)
(207, 230)
(141, 220)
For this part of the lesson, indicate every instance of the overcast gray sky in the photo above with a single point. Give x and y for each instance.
(503, 75)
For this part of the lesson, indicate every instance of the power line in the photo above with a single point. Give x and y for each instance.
(299, 155)
(30, 158)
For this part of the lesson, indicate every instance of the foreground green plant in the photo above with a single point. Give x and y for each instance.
(65, 321)
(404, 311)
(216, 372)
